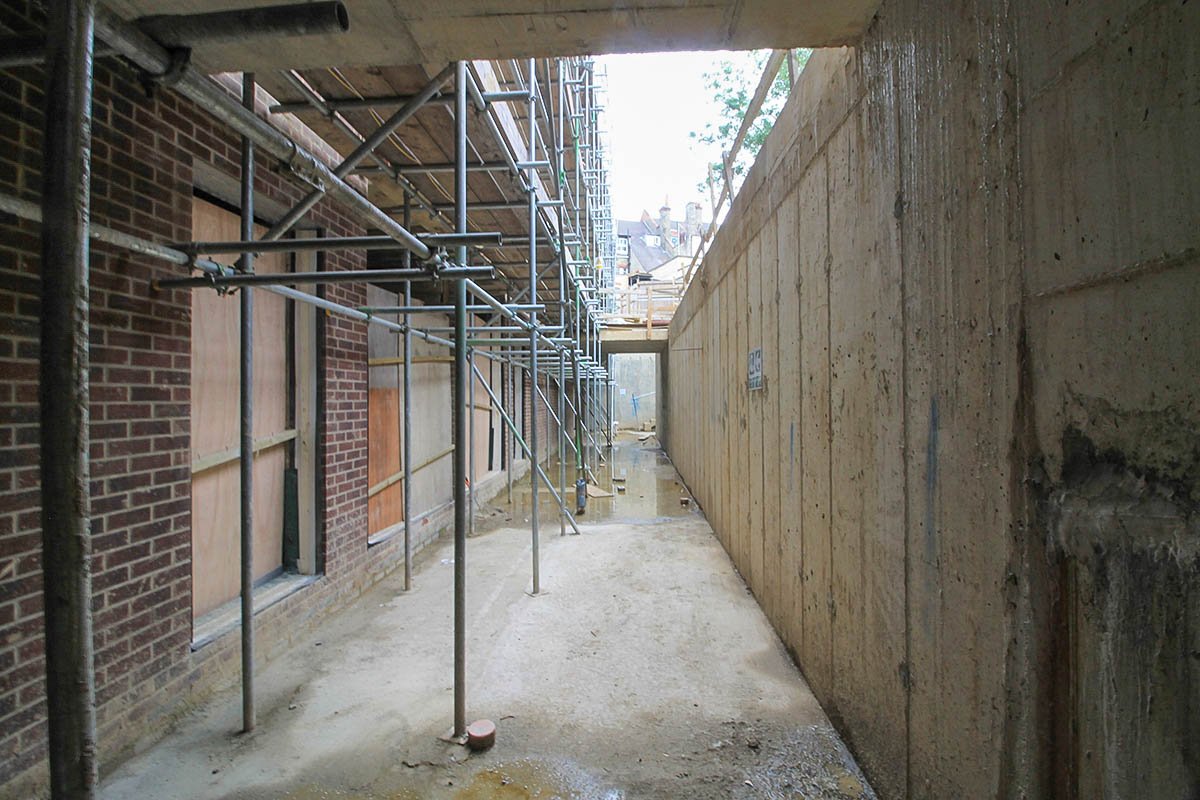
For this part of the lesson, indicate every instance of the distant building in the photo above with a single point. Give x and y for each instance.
(657, 249)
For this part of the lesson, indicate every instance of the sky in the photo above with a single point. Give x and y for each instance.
(654, 102)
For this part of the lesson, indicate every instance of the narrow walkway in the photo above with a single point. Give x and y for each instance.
(645, 670)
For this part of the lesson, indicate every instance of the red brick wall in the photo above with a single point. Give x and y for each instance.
(547, 430)
(343, 429)
(143, 160)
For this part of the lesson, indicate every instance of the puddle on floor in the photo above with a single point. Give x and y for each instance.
(653, 491)
(530, 779)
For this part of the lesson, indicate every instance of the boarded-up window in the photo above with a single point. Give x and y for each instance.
(214, 433)
(385, 504)
(432, 445)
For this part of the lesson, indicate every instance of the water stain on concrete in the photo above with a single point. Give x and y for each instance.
(644, 670)
(531, 779)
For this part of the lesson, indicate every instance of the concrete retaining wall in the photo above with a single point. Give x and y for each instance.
(635, 377)
(966, 496)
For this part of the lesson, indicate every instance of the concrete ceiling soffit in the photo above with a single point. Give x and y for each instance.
(393, 32)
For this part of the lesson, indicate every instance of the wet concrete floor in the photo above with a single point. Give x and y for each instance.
(644, 669)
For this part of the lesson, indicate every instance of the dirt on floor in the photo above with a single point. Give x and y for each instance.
(643, 669)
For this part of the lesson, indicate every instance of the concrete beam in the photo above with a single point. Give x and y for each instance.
(383, 32)
(615, 341)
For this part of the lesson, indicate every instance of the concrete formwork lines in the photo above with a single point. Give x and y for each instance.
(961, 604)
(725, 383)
(787, 388)
(814, 387)
(772, 550)
(741, 535)
(755, 408)
(869, 483)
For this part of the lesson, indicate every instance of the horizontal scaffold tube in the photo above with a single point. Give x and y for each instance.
(33, 212)
(354, 104)
(340, 310)
(337, 243)
(332, 276)
(444, 309)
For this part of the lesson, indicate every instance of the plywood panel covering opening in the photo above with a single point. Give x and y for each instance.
(215, 390)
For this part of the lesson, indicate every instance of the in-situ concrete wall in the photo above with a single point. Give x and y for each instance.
(967, 494)
(635, 377)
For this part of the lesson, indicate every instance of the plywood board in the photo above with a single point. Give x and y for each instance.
(384, 508)
(215, 515)
(431, 423)
(215, 390)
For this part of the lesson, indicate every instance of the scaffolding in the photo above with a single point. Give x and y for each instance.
(550, 332)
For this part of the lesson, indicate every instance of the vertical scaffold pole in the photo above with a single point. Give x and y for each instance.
(533, 336)
(407, 379)
(63, 395)
(575, 369)
(510, 443)
(471, 444)
(246, 423)
(460, 400)
(563, 435)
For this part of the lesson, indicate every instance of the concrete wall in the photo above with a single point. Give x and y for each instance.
(635, 377)
(966, 496)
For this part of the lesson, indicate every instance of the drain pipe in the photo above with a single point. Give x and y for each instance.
(63, 398)
(247, 24)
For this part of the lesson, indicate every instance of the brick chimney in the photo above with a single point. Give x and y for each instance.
(664, 226)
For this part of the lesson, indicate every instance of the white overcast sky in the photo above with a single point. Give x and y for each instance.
(654, 101)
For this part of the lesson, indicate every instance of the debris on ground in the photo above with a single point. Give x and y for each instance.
(481, 734)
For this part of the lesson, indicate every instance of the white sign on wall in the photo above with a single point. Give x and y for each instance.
(754, 370)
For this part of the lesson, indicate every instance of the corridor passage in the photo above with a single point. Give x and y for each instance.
(644, 669)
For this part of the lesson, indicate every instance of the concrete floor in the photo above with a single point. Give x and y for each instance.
(645, 669)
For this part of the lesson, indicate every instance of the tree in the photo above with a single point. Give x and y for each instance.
(732, 81)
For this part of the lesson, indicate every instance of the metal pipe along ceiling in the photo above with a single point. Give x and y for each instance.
(156, 60)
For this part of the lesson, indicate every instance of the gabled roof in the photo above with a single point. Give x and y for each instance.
(643, 256)
(629, 227)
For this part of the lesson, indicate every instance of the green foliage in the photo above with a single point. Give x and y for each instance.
(732, 81)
